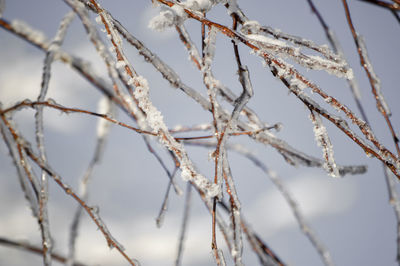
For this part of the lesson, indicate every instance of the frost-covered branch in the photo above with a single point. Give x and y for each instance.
(373, 79)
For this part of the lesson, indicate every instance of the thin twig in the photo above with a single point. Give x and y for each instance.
(373, 80)
(92, 211)
(390, 6)
(43, 195)
(34, 249)
(184, 225)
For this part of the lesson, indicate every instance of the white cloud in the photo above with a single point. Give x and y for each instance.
(316, 196)
(20, 79)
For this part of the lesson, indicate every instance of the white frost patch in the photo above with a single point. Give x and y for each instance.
(154, 117)
(266, 40)
(164, 20)
(199, 5)
(23, 28)
(323, 140)
(120, 64)
(250, 27)
(168, 18)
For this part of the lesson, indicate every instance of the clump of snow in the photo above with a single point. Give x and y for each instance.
(164, 20)
(168, 18)
(120, 64)
(154, 117)
(199, 5)
(251, 27)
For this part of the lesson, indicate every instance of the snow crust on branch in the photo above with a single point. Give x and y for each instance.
(331, 63)
(21, 27)
(323, 140)
(375, 78)
(172, 16)
(199, 5)
(154, 119)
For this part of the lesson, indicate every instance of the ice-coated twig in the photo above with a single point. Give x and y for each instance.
(190, 46)
(198, 127)
(34, 249)
(393, 7)
(164, 205)
(337, 48)
(185, 220)
(153, 116)
(394, 201)
(294, 156)
(277, 181)
(284, 50)
(372, 77)
(222, 131)
(52, 104)
(81, 66)
(92, 211)
(105, 106)
(43, 194)
(290, 154)
(296, 83)
(235, 212)
(28, 181)
(323, 140)
(114, 69)
(24, 29)
(265, 254)
(381, 102)
(384, 154)
(322, 49)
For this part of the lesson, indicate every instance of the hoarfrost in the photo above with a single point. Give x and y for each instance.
(21, 27)
(164, 20)
(168, 18)
(131, 81)
(179, 11)
(209, 49)
(298, 83)
(198, 5)
(380, 99)
(265, 41)
(154, 117)
(323, 140)
(120, 64)
(250, 27)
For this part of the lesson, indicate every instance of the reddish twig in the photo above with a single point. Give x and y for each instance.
(371, 78)
(35, 249)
